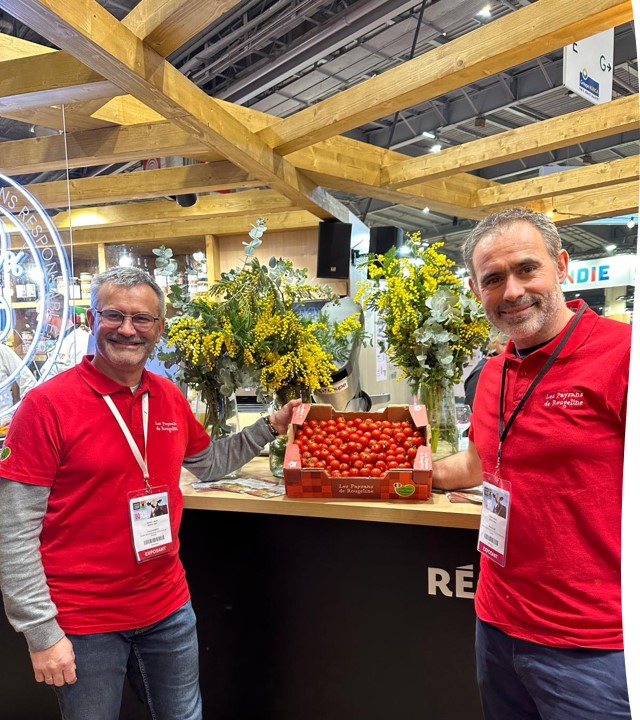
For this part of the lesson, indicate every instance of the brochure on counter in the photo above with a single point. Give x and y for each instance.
(247, 486)
(470, 495)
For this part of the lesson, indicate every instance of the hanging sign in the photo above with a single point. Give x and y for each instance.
(588, 67)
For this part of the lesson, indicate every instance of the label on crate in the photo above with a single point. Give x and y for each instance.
(356, 487)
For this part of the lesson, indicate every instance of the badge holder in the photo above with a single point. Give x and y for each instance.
(494, 521)
(150, 523)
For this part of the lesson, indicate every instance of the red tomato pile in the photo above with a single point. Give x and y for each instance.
(357, 447)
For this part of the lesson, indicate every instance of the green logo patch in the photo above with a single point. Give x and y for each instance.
(5, 453)
(404, 490)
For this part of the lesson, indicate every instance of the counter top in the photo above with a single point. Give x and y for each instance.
(436, 511)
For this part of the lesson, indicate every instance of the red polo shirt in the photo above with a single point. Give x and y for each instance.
(564, 459)
(64, 436)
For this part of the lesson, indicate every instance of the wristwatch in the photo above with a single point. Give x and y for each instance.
(271, 426)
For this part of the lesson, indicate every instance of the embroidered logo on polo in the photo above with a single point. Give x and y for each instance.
(5, 453)
(564, 400)
(164, 426)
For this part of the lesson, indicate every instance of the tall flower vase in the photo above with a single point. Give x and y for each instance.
(278, 446)
(220, 413)
(438, 399)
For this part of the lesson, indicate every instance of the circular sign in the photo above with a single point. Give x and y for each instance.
(34, 284)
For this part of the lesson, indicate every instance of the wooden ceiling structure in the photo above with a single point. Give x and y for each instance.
(118, 99)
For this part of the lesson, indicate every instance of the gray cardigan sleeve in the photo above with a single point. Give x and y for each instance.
(27, 600)
(226, 454)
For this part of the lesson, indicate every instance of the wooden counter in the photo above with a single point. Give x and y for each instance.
(437, 511)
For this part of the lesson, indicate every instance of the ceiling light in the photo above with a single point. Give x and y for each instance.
(485, 12)
(125, 259)
(429, 135)
(550, 213)
(425, 210)
(480, 121)
(610, 248)
(587, 159)
(631, 223)
(436, 148)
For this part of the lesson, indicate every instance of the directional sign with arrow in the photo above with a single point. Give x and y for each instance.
(588, 67)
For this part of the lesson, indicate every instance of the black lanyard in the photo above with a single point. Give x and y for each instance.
(504, 429)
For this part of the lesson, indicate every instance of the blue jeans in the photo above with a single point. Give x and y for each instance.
(160, 661)
(520, 680)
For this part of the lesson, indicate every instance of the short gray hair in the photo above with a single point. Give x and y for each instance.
(504, 218)
(126, 277)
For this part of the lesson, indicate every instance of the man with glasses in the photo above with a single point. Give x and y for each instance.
(100, 594)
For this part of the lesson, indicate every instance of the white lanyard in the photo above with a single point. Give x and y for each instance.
(142, 461)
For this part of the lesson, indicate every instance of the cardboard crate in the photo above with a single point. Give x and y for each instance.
(396, 484)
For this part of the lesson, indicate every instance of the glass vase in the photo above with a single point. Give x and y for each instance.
(220, 413)
(278, 446)
(438, 399)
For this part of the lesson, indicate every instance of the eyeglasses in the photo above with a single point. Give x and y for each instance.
(114, 319)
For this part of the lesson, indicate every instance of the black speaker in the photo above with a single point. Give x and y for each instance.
(383, 238)
(334, 250)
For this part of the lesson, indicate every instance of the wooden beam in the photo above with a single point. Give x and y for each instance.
(353, 167)
(439, 201)
(523, 35)
(561, 183)
(85, 29)
(252, 202)
(166, 25)
(49, 79)
(52, 118)
(617, 116)
(12, 47)
(97, 147)
(126, 110)
(596, 203)
(207, 177)
(166, 231)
